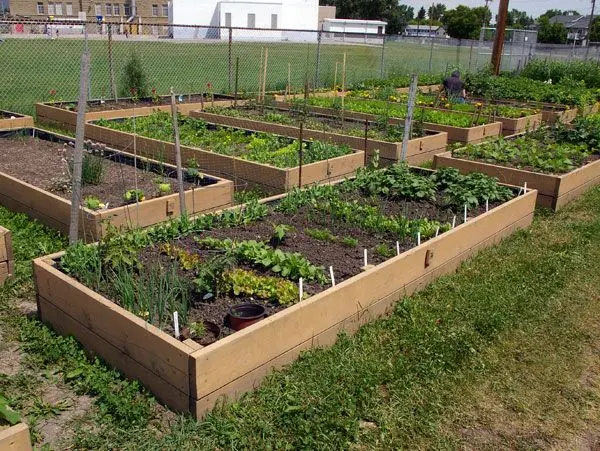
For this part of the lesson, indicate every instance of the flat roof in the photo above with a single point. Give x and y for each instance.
(356, 21)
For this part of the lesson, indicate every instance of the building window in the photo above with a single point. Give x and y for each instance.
(155, 10)
(109, 10)
(58, 8)
(274, 21)
(98, 10)
(69, 9)
(228, 19)
(116, 9)
(40, 8)
(251, 20)
(165, 10)
(51, 9)
(127, 10)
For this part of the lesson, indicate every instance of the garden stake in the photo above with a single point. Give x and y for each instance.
(487, 205)
(412, 97)
(397, 247)
(335, 77)
(525, 188)
(437, 232)
(176, 324)
(111, 69)
(237, 73)
(366, 258)
(260, 71)
(300, 156)
(78, 152)
(366, 140)
(418, 238)
(301, 288)
(264, 79)
(343, 87)
(332, 276)
(178, 154)
(288, 89)
(465, 212)
(454, 221)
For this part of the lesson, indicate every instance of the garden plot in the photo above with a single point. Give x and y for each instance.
(304, 266)
(378, 137)
(15, 438)
(65, 113)
(14, 121)
(460, 127)
(560, 162)
(274, 163)
(35, 178)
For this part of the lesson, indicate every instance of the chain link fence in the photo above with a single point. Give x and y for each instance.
(41, 59)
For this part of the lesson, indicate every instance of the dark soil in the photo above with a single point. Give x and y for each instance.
(7, 115)
(44, 164)
(346, 261)
(110, 105)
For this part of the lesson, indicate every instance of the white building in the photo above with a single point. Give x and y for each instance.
(272, 15)
(354, 26)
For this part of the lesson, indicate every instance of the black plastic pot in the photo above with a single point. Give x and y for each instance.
(244, 315)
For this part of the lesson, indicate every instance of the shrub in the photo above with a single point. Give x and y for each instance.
(134, 78)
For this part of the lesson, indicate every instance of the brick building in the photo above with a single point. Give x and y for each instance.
(132, 13)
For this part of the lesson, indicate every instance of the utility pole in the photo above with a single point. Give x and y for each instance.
(587, 46)
(499, 40)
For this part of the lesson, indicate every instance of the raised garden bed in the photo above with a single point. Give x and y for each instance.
(65, 113)
(421, 147)
(35, 180)
(7, 259)
(330, 227)
(15, 438)
(14, 121)
(267, 161)
(473, 134)
(553, 162)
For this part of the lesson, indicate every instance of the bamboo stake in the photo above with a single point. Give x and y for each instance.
(178, 154)
(78, 152)
(289, 85)
(335, 77)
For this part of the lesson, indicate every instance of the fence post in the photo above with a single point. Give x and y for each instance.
(431, 54)
(382, 72)
(111, 67)
(78, 151)
(318, 63)
(412, 98)
(230, 56)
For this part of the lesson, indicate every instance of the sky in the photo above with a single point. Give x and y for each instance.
(533, 7)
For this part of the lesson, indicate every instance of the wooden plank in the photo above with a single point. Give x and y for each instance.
(350, 325)
(326, 171)
(578, 177)
(149, 346)
(546, 184)
(96, 344)
(18, 122)
(315, 315)
(15, 438)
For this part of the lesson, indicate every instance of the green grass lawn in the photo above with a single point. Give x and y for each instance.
(502, 354)
(33, 67)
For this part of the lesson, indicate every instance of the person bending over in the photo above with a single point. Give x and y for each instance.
(455, 88)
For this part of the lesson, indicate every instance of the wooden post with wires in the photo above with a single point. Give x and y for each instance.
(499, 39)
(78, 151)
(178, 154)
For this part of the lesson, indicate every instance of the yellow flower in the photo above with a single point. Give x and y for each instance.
(447, 105)
(479, 104)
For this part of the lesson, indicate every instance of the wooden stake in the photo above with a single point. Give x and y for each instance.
(264, 79)
(412, 98)
(343, 83)
(397, 247)
(176, 324)
(289, 85)
(178, 154)
(332, 276)
(335, 77)
(301, 288)
(260, 71)
(78, 151)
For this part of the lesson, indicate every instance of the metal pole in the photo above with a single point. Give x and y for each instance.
(237, 78)
(382, 69)
(589, 37)
(78, 152)
(318, 68)
(366, 149)
(111, 67)
(431, 37)
(230, 56)
(499, 41)
(177, 154)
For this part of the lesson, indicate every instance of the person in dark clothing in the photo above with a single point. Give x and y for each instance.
(455, 88)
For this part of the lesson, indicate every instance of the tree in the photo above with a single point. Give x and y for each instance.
(595, 30)
(551, 33)
(518, 19)
(436, 12)
(558, 12)
(422, 13)
(464, 22)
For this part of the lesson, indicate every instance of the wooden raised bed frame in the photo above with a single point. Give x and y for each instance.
(15, 438)
(471, 135)
(50, 113)
(284, 98)
(54, 211)
(189, 378)
(267, 177)
(20, 121)
(7, 259)
(419, 149)
(554, 191)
